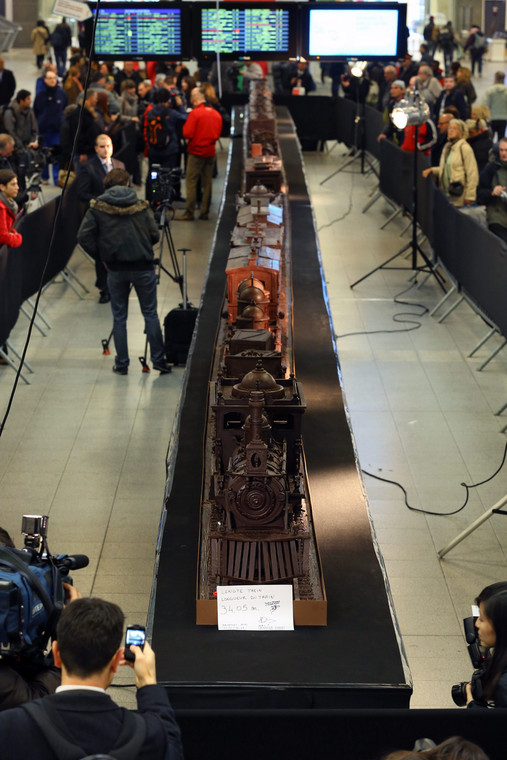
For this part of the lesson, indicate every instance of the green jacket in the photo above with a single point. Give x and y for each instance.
(120, 229)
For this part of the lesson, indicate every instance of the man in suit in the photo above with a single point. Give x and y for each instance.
(7, 84)
(90, 184)
(88, 650)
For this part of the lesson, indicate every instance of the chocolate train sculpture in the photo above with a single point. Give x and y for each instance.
(256, 524)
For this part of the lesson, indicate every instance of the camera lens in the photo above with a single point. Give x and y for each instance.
(459, 694)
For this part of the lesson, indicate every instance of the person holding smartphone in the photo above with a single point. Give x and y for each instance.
(80, 714)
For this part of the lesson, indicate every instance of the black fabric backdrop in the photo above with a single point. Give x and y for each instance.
(21, 268)
(332, 734)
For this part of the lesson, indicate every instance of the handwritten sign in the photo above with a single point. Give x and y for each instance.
(255, 608)
(72, 9)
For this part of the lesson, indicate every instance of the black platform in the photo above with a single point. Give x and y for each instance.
(355, 661)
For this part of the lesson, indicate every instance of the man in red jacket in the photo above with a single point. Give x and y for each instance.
(201, 131)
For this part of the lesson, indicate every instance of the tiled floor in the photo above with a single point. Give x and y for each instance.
(88, 448)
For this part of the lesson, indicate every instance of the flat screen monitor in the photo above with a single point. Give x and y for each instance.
(257, 31)
(366, 31)
(139, 30)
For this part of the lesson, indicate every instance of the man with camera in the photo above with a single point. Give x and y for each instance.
(120, 230)
(492, 191)
(81, 716)
(162, 129)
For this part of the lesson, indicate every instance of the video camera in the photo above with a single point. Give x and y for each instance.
(31, 591)
(163, 185)
(173, 94)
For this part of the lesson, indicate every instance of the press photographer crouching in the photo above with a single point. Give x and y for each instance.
(488, 652)
(32, 595)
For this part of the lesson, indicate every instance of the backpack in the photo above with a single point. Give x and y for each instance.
(57, 38)
(428, 32)
(157, 128)
(31, 600)
(54, 729)
(479, 41)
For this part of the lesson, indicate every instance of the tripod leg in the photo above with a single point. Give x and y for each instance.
(142, 359)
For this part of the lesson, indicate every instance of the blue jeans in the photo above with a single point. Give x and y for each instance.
(48, 140)
(145, 284)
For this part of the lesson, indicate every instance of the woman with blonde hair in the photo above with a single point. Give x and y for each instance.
(457, 174)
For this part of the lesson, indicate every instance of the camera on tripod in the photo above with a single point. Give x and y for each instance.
(163, 183)
(31, 591)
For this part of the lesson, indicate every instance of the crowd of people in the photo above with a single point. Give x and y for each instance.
(174, 121)
(155, 117)
(463, 139)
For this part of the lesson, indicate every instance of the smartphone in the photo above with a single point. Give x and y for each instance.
(136, 634)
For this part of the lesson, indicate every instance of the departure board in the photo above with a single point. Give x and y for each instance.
(245, 30)
(131, 32)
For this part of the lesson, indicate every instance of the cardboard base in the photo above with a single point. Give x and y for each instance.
(305, 613)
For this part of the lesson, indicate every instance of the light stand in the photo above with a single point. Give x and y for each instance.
(494, 510)
(358, 151)
(411, 112)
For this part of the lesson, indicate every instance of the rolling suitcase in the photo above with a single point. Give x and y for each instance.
(179, 325)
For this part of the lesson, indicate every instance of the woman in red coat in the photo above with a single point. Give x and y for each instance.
(8, 209)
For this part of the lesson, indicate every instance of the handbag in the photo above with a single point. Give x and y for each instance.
(456, 189)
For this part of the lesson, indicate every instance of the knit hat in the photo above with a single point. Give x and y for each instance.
(399, 83)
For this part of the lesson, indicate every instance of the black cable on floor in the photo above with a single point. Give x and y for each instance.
(465, 485)
(400, 317)
(347, 212)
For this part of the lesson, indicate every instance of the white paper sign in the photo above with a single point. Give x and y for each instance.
(72, 9)
(255, 608)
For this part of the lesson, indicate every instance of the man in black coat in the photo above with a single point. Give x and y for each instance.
(90, 180)
(451, 96)
(90, 184)
(89, 651)
(7, 84)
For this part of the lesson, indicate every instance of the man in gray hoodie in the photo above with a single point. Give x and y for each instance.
(121, 230)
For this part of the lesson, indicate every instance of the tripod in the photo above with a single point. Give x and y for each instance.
(358, 150)
(413, 245)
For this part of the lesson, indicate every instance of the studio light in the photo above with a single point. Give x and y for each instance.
(357, 68)
(411, 111)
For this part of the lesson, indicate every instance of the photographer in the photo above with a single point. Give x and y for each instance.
(162, 124)
(492, 192)
(21, 680)
(120, 230)
(488, 687)
(84, 718)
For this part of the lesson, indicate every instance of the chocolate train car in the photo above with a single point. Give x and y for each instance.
(256, 515)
